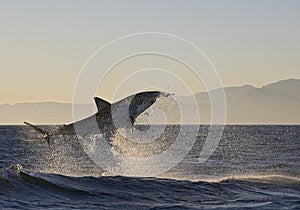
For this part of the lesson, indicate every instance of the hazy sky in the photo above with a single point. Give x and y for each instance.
(44, 44)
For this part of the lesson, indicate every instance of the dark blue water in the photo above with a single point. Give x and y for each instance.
(254, 167)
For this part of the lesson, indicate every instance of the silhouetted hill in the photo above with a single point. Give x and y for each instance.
(290, 87)
(275, 103)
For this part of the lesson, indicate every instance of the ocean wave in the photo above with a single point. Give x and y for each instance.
(271, 179)
(145, 192)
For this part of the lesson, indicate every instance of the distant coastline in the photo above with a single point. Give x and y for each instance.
(275, 103)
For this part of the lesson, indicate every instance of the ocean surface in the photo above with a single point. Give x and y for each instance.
(253, 167)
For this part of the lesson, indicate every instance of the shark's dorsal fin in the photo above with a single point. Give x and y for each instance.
(100, 103)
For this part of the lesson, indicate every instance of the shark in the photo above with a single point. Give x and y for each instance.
(109, 118)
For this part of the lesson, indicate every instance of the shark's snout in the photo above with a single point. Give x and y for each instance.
(165, 94)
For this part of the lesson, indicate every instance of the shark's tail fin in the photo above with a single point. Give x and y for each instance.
(45, 134)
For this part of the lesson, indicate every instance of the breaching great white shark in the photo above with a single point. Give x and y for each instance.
(123, 112)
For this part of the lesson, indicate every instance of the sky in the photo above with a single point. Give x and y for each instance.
(45, 44)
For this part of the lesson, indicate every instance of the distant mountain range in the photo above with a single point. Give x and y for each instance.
(275, 103)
